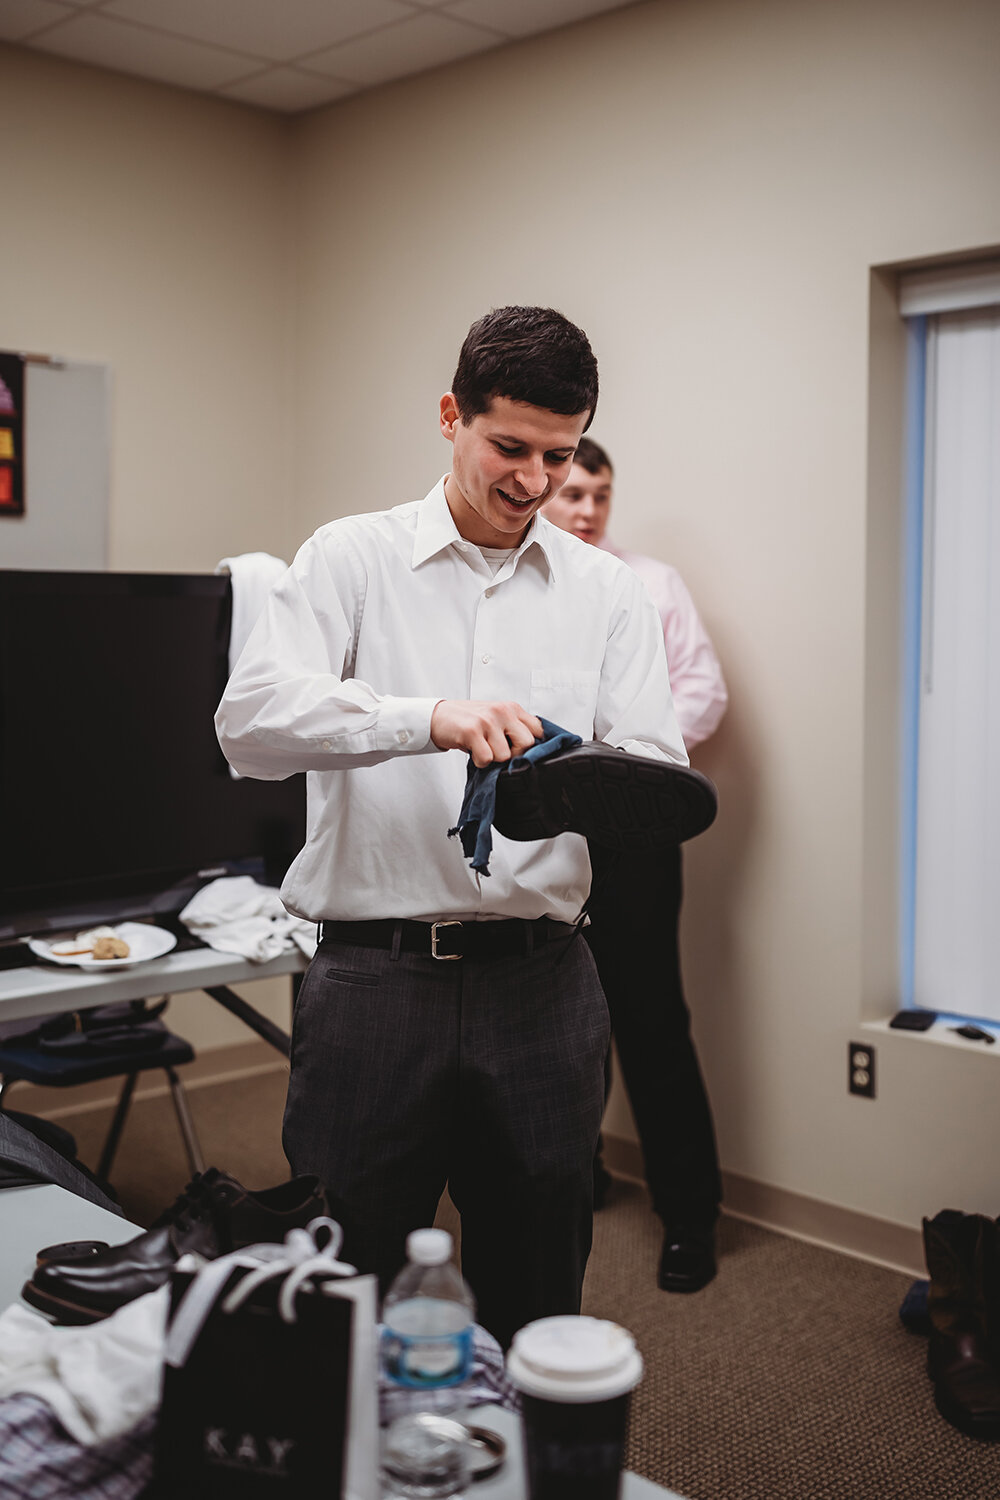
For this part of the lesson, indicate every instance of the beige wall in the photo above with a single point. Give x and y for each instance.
(148, 228)
(704, 185)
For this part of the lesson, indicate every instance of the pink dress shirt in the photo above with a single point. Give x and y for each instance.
(696, 680)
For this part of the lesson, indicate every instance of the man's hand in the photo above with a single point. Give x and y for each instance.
(488, 731)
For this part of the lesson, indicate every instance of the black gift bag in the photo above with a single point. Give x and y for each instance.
(269, 1389)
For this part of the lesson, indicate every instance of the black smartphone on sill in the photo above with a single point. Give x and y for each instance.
(913, 1020)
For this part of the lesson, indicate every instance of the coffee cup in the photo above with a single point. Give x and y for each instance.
(575, 1376)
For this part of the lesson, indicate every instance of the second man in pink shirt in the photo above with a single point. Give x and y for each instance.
(635, 910)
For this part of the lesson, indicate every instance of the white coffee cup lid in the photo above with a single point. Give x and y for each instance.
(574, 1359)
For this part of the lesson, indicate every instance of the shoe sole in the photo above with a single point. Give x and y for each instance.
(62, 1311)
(694, 1284)
(987, 1430)
(616, 801)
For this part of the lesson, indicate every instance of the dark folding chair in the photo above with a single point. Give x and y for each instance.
(114, 1042)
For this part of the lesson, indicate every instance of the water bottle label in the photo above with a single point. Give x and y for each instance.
(424, 1360)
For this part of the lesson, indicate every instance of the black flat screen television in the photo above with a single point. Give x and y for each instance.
(115, 799)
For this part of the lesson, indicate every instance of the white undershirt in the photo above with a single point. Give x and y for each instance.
(496, 557)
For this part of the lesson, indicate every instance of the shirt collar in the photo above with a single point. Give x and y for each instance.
(436, 530)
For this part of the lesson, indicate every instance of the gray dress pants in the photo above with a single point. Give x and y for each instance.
(410, 1073)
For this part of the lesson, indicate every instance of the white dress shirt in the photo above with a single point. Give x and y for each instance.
(378, 619)
(696, 679)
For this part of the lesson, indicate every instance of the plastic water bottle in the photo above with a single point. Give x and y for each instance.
(427, 1342)
(428, 1317)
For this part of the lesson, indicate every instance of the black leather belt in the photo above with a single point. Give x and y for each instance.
(449, 939)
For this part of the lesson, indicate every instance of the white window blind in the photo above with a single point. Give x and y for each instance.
(949, 288)
(956, 904)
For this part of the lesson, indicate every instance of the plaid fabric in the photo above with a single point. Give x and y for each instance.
(40, 1461)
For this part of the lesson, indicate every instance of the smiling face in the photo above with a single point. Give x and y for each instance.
(583, 504)
(507, 462)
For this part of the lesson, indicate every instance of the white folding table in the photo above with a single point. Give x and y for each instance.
(46, 989)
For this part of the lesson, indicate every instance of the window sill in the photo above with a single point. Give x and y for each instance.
(941, 1033)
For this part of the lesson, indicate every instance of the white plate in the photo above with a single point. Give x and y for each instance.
(144, 943)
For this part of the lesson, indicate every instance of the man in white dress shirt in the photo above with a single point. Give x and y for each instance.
(635, 911)
(450, 1030)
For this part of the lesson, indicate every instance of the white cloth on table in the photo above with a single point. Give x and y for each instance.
(236, 915)
(99, 1380)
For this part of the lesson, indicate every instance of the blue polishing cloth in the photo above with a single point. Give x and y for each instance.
(475, 821)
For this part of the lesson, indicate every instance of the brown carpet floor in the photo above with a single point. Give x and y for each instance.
(789, 1378)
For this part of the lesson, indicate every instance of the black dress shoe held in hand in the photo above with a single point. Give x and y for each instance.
(214, 1214)
(687, 1261)
(614, 798)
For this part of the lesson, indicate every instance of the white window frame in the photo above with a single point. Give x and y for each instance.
(950, 908)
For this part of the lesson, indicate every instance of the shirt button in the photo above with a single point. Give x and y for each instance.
(489, 593)
(326, 744)
(486, 661)
(402, 736)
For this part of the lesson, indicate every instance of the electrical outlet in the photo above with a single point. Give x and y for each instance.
(861, 1069)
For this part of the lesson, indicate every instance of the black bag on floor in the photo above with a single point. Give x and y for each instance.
(269, 1388)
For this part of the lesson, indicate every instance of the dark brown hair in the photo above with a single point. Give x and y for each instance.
(529, 354)
(592, 457)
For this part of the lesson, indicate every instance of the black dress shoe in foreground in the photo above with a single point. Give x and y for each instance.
(613, 798)
(687, 1261)
(70, 1250)
(214, 1214)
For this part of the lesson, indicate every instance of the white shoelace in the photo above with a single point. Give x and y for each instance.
(302, 1257)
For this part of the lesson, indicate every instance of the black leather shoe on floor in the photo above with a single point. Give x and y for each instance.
(966, 1384)
(603, 1183)
(687, 1261)
(615, 799)
(213, 1215)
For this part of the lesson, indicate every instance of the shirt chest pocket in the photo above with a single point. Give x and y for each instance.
(568, 699)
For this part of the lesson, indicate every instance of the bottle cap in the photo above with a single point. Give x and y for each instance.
(428, 1247)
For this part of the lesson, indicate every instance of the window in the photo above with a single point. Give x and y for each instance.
(951, 856)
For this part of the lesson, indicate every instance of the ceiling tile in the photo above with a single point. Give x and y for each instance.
(527, 17)
(425, 41)
(288, 89)
(19, 18)
(92, 39)
(275, 29)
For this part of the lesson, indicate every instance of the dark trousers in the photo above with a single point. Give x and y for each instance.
(408, 1073)
(635, 909)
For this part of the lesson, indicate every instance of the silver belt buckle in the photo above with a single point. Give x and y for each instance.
(442, 957)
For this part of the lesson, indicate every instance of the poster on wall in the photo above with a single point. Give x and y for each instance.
(11, 434)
